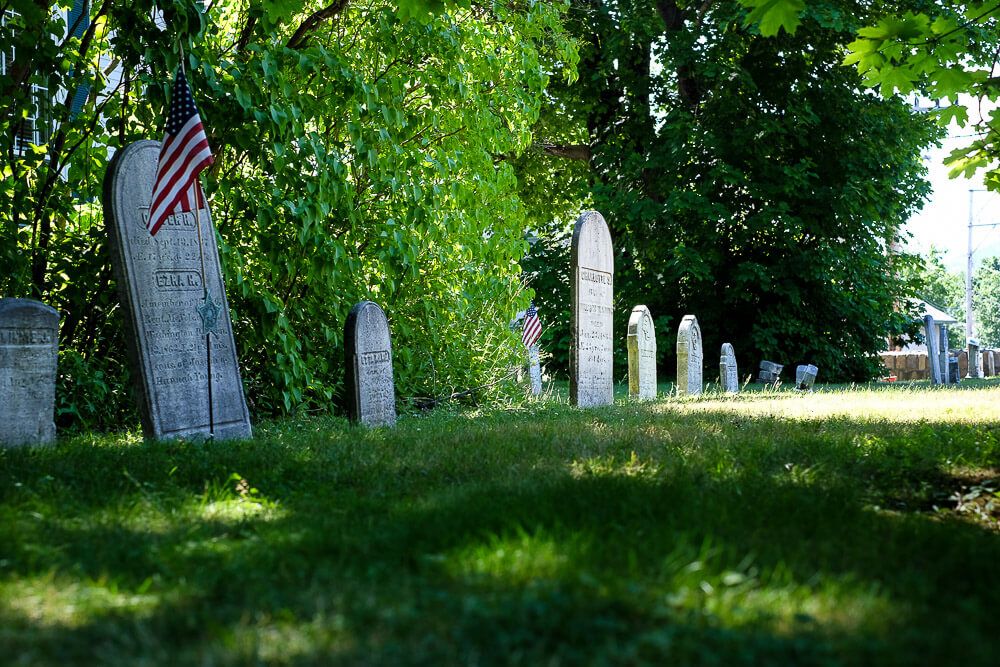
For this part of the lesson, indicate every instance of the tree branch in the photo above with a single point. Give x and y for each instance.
(307, 27)
(567, 151)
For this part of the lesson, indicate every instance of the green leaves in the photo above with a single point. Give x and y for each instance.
(772, 16)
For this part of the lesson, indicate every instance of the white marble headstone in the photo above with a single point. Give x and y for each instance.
(592, 286)
(371, 391)
(159, 281)
(29, 349)
(641, 344)
(690, 357)
(729, 376)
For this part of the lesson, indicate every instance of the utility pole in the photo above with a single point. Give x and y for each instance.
(969, 319)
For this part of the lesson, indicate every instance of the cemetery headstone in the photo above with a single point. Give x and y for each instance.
(167, 318)
(933, 357)
(729, 376)
(770, 372)
(371, 390)
(591, 376)
(805, 377)
(943, 354)
(641, 344)
(29, 351)
(975, 359)
(989, 369)
(953, 376)
(963, 364)
(535, 370)
(690, 357)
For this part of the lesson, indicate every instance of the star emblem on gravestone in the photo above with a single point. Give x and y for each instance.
(209, 311)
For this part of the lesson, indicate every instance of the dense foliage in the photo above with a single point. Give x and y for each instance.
(747, 179)
(358, 155)
(941, 48)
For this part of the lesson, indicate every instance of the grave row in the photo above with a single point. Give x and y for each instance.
(181, 345)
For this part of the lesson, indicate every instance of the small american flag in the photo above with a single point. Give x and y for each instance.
(532, 330)
(183, 155)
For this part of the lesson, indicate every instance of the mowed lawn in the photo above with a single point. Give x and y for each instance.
(848, 526)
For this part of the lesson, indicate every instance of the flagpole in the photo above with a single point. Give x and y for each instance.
(204, 282)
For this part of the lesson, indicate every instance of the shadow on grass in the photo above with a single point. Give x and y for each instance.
(607, 544)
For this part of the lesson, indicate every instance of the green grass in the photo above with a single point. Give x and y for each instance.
(769, 528)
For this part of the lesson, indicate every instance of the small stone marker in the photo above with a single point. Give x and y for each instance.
(933, 357)
(943, 353)
(805, 376)
(770, 372)
(988, 369)
(975, 359)
(29, 351)
(592, 286)
(690, 358)
(371, 391)
(953, 376)
(641, 355)
(159, 281)
(963, 364)
(729, 376)
(535, 370)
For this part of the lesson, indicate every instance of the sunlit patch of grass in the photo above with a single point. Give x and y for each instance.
(62, 601)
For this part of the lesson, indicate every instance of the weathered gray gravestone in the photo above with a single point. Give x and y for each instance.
(29, 350)
(805, 376)
(641, 355)
(592, 290)
(160, 285)
(975, 359)
(769, 372)
(943, 354)
(953, 376)
(729, 376)
(933, 358)
(690, 357)
(371, 391)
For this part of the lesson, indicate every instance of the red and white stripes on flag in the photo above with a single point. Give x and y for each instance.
(532, 330)
(183, 155)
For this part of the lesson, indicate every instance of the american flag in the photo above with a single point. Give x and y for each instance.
(183, 155)
(532, 330)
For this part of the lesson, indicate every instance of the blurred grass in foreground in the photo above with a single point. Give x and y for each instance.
(847, 526)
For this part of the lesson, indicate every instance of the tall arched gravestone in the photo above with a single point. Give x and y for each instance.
(29, 350)
(371, 391)
(690, 357)
(729, 376)
(641, 342)
(159, 282)
(592, 290)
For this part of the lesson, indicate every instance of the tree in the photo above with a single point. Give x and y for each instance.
(746, 179)
(986, 301)
(942, 49)
(358, 154)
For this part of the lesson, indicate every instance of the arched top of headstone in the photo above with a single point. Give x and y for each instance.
(130, 179)
(592, 243)
(727, 350)
(689, 333)
(29, 312)
(367, 328)
(640, 321)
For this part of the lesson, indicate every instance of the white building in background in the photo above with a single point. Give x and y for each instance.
(37, 128)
